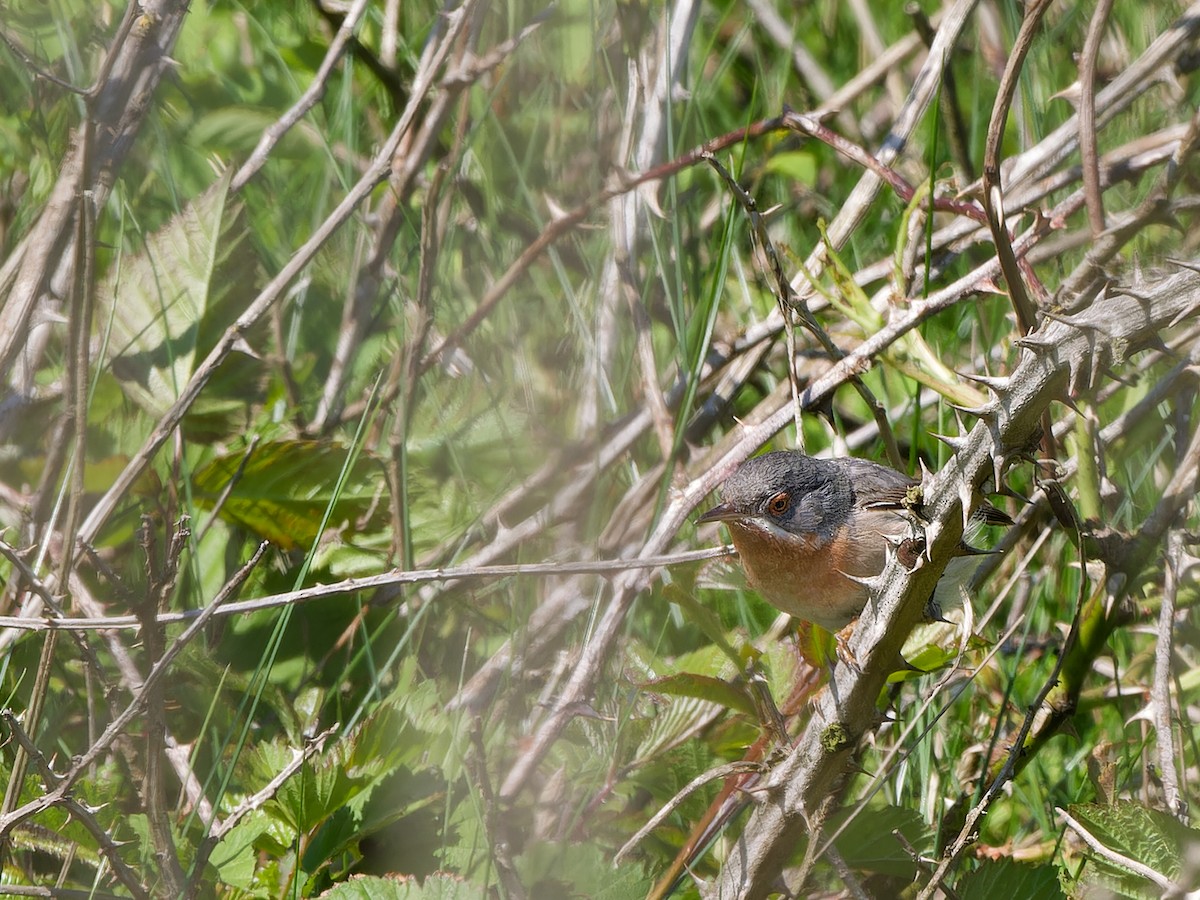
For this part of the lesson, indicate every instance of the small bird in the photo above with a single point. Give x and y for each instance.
(811, 532)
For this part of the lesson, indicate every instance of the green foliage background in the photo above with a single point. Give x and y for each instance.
(420, 459)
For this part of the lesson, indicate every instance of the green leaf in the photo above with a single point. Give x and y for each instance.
(703, 617)
(168, 302)
(313, 793)
(795, 165)
(284, 488)
(850, 299)
(436, 887)
(869, 845)
(331, 798)
(579, 870)
(235, 858)
(238, 129)
(670, 725)
(1005, 879)
(703, 687)
(1152, 838)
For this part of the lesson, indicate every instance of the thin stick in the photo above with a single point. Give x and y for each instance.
(1087, 117)
(351, 585)
(1160, 691)
(993, 197)
(249, 805)
(790, 302)
(120, 723)
(274, 134)
(810, 125)
(734, 768)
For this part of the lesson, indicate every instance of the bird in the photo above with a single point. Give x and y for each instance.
(812, 533)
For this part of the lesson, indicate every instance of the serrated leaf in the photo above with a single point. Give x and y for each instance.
(1152, 838)
(579, 870)
(331, 799)
(314, 792)
(235, 858)
(439, 886)
(283, 490)
(679, 719)
(782, 664)
(1005, 879)
(415, 699)
(158, 300)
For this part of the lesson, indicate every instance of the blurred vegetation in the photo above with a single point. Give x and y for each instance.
(365, 422)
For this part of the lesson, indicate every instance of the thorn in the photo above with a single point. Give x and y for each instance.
(1184, 263)
(956, 443)
(1172, 221)
(965, 497)
(1071, 94)
(1132, 291)
(873, 583)
(987, 411)
(240, 346)
(1069, 401)
(1186, 314)
(958, 419)
(1035, 341)
(856, 768)
(1155, 342)
(998, 385)
(926, 475)
(999, 462)
(932, 532)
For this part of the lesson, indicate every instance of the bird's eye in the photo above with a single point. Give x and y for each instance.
(779, 504)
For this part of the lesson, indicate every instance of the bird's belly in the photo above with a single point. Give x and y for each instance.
(807, 577)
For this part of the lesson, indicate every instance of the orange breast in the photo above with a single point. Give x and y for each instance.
(804, 577)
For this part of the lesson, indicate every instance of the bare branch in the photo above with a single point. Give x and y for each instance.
(354, 585)
(1160, 694)
(315, 91)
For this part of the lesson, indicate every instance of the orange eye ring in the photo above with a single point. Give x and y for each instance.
(779, 504)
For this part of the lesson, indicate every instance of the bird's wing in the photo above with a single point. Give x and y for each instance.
(878, 487)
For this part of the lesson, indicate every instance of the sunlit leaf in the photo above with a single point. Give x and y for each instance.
(159, 300)
(1151, 837)
(435, 887)
(283, 489)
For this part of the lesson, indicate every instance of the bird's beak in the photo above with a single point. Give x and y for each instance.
(721, 513)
